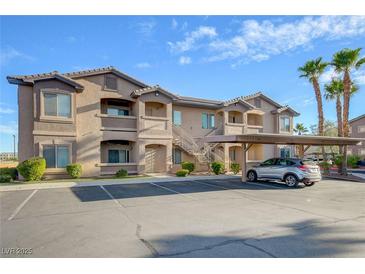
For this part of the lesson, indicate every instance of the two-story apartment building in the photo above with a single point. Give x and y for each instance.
(107, 120)
(357, 130)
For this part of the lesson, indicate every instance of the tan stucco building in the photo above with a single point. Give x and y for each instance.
(357, 130)
(107, 120)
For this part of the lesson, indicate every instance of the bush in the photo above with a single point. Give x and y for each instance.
(121, 173)
(32, 169)
(235, 167)
(352, 161)
(217, 167)
(188, 165)
(182, 173)
(5, 178)
(74, 170)
(11, 171)
(326, 167)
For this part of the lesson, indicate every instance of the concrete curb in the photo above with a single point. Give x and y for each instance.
(116, 182)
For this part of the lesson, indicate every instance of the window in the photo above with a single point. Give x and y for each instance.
(176, 156)
(232, 155)
(257, 102)
(285, 124)
(176, 117)
(117, 111)
(118, 156)
(284, 153)
(361, 129)
(269, 162)
(57, 156)
(111, 82)
(57, 104)
(207, 120)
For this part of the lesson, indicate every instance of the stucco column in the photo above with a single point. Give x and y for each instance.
(225, 121)
(140, 156)
(226, 157)
(244, 163)
(169, 156)
(169, 116)
(140, 112)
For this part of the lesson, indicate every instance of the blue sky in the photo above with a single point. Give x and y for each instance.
(217, 57)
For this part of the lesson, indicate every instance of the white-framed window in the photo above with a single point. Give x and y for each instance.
(360, 129)
(57, 156)
(176, 117)
(118, 156)
(176, 156)
(285, 152)
(57, 104)
(284, 124)
(208, 120)
(111, 82)
(116, 111)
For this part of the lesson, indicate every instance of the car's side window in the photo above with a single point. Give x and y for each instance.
(282, 162)
(269, 162)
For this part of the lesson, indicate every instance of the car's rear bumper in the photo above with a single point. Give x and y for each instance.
(312, 178)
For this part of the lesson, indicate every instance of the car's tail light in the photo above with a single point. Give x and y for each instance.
(303, 168)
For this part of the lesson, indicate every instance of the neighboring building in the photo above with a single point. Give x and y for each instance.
(7, 156)
(357, 130)
(107, 120)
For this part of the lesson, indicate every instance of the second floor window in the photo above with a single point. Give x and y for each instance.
(57, 104)
(207, 120)
(117, 111)
(176, 118)
(118, 156)
(284, 124)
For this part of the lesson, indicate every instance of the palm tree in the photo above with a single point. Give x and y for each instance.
(334, 91)
(312, 70)
(344, 62)
(300, 128)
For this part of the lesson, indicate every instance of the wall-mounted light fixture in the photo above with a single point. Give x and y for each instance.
(157, 93)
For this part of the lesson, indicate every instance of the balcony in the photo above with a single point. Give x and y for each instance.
(155, 126)
(234, 128)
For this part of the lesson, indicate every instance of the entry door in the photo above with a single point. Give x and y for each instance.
(150, 155)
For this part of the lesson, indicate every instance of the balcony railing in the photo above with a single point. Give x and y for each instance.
(111, 122)
(234, 128)
(155, 126)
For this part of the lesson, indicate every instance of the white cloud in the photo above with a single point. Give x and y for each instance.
(308, 101)
(328, 75)
(143, 65)
(146, 28)
(256, 40)
(358, 76)
(191, 39)
(11, 128)
(9, 53)
(6, 110)
(174, 23)
(184, 60)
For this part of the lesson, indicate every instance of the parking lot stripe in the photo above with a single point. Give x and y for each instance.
(111, 196)
(22, 205)
(173, 191)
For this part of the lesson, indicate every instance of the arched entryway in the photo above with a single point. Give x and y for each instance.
(155, 158)
(235, 155)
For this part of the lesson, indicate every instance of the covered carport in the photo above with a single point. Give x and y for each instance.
(247, 140)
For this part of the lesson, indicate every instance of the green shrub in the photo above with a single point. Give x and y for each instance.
(9, 171)
(235, 167)
(32, 169)
(352, 161)
(74, 170)
(5, 178)
(325, 166)
(188, 165)
(217, 167)
(182, 173)
(121, 173)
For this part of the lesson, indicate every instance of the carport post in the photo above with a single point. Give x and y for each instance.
(244, 163)
(344, 162)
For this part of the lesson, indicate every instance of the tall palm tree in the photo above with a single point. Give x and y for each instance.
(334, 91)
(300, 128)
(344, 62)
(312, 70)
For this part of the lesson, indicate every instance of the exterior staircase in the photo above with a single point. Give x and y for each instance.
(202, 151)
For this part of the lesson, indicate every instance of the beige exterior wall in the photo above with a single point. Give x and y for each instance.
(358, 131)
(148, 128)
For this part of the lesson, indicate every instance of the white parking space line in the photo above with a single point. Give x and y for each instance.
(111, 196)
(22, 205)
(264, 185)
(173, 191)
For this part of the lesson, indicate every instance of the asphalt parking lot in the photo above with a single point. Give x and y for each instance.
(197, 218)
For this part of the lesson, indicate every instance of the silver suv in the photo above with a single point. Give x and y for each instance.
(288, 170)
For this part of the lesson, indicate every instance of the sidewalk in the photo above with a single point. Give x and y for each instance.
(102, 182)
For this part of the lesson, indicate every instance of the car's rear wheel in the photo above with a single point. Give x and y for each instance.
(252, 176)
(291, 180)
(307, 183)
